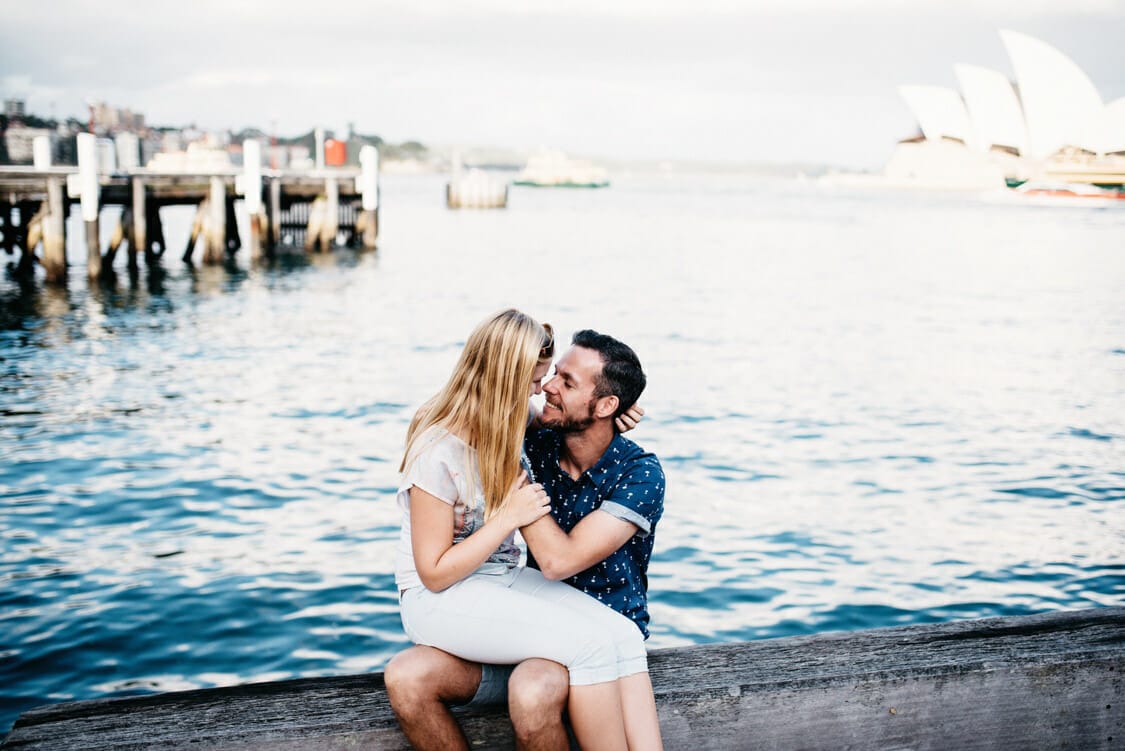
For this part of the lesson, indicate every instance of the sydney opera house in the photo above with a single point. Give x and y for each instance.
(1048, 126)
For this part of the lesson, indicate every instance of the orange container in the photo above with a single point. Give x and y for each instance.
(335, 152)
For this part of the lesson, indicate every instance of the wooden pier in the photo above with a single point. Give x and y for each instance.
(1051, 681)
(315, 209)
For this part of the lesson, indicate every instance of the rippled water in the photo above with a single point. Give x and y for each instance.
(873, 409)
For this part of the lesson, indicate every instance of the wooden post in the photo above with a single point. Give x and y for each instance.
(315, 223)
(6, 211)
(31, 231)
(369, 190)
(120, 232)
(214, 225)
(155, 230)
(331, 217)
(232, 239)
(139, 237)
(197, 224)
(275, 212)
(54, 233)
(88, 179)
(252, 190)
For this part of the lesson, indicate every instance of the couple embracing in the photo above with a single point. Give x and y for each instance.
(567, 630)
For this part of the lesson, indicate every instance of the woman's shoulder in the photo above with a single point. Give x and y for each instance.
(438, 441)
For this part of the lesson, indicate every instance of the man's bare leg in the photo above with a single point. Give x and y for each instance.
(642, 726)
(419, 681)
(537, 694)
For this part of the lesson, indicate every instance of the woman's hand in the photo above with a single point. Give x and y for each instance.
(629, 419)
(525, 503)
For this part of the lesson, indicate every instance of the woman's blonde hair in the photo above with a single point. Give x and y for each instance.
(485, 400)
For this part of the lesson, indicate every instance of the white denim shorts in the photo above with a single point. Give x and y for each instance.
(507, 618)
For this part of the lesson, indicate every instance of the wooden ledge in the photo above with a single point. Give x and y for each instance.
(1034, 682)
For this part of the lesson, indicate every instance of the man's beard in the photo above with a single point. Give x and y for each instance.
(573, 424)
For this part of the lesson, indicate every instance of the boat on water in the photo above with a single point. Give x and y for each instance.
(554, 169)
(1066, 193)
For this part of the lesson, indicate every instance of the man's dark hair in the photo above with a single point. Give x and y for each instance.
(621, 374)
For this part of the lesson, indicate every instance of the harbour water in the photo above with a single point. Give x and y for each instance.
(873, 408)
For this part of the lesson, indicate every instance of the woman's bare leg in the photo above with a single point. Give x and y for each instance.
(638, 705)
(595, 716)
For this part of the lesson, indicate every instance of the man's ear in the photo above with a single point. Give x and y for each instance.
(606, 406)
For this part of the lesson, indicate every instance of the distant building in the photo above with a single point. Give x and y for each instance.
(20, 141)
(171, 140)
(128, 150)
(300, 157)
(15, 108)
(277, 157)
(112, 120)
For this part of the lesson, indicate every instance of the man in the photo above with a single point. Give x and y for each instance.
(607, 495)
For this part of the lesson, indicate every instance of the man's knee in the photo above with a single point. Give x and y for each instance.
(407, 675)
(419, 675)
(537, 694)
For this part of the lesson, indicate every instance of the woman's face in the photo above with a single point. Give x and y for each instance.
(537, 377)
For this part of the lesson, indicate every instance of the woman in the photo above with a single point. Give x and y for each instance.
(464, 495)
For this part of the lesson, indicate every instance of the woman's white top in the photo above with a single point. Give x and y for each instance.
(446, 467)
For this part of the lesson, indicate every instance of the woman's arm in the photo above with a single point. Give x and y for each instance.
(630, 418)
(439, 562)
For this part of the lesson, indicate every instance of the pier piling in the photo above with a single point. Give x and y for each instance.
(367, 223)
(138, 238)
(215, 224)
(154, 233)
(29, 235)
(196, 229)
(54, 232)
(252, 192)
(331, 215)
(90, 196)
(275, 213)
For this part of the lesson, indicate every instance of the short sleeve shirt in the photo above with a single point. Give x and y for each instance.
(628, 483)
(446, 467)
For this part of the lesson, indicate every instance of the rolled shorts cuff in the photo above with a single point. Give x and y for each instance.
(632, 666)
(592, 675)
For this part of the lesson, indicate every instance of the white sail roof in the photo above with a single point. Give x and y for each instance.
(1106, 134)
(940, 111)
(994, 109)
(1059, 100)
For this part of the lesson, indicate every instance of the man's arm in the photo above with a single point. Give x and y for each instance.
(561, 555)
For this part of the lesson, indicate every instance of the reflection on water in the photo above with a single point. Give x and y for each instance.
(873, 409)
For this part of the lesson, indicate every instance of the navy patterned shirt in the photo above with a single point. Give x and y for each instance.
(628, 483)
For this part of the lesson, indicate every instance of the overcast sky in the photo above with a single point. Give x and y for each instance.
(757, 81)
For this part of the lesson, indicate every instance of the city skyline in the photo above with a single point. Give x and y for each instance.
(806, 81)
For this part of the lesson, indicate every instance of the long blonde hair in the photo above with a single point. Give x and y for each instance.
(485, 400)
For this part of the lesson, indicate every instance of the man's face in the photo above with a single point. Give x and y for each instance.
(569, 394)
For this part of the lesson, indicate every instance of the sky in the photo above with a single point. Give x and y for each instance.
(757, 81)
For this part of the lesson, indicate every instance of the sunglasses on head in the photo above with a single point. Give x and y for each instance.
(547, 351)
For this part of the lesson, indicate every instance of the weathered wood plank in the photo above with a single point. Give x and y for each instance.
(1037, 682)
